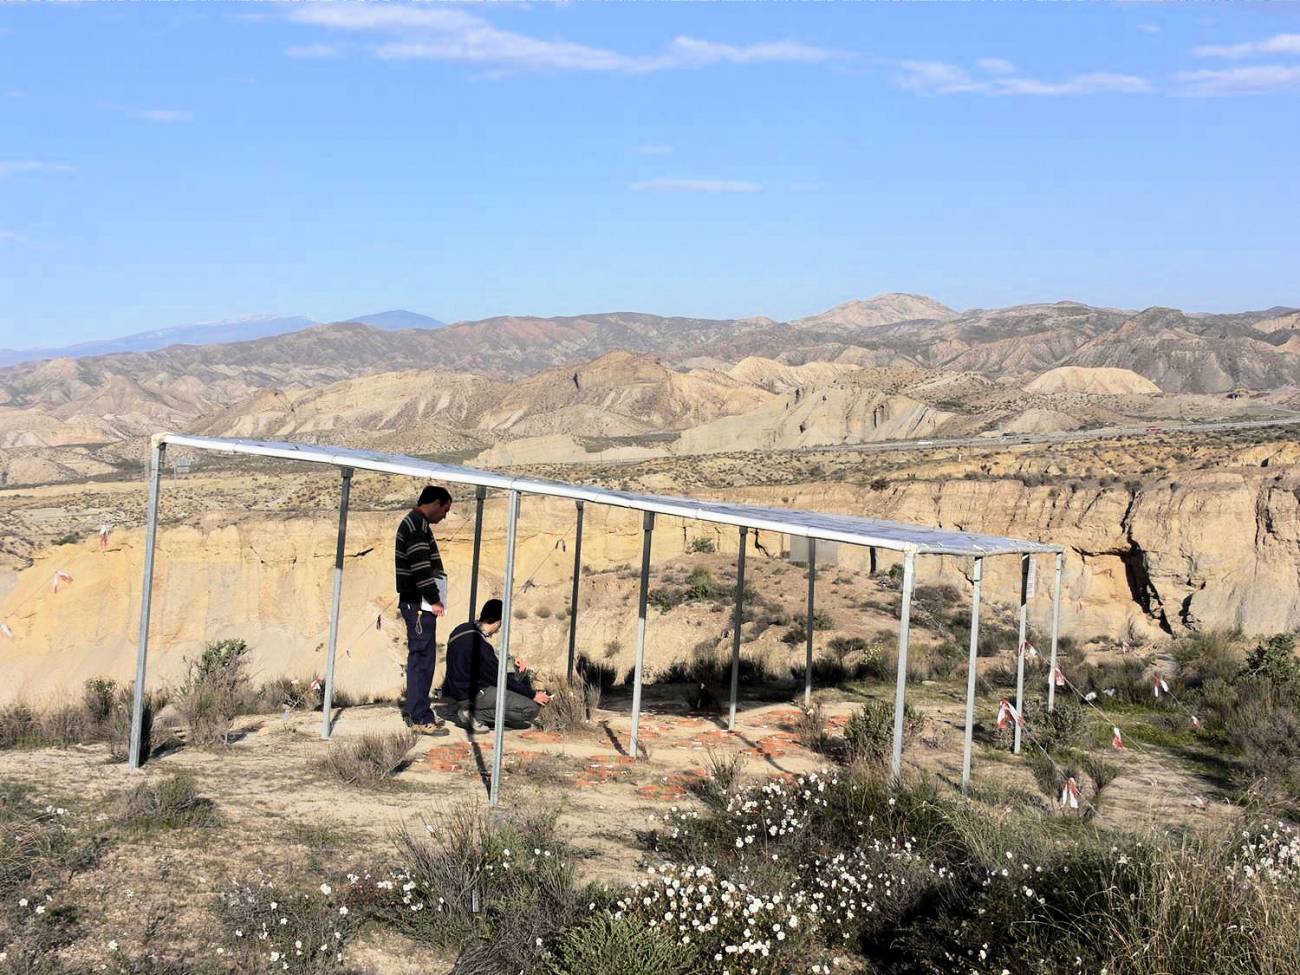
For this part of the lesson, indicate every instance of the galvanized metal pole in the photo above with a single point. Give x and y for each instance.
(480, 492)
(647, 530)
(503, 651)
(327, 700)
(134, 758)
(1056, 626)
(812, 585)
(900, 689)
(1020, 651)
(573, 599)
(736, 623)
(976, 576)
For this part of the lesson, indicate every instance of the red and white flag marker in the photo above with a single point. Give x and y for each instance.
(1070, 793)
(1007, 713)
(1158, 685)
(1117, 740)
(61, 578)
(1029, 650)
(1058, 676)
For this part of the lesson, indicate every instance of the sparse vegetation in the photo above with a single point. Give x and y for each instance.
(168, 803)
(572, 704)
(368, 759)
(216, 689)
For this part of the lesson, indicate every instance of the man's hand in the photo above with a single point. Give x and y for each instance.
(520, 666)
(541, 697)
(438, 609)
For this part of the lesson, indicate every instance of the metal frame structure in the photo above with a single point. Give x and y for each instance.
(908, 540)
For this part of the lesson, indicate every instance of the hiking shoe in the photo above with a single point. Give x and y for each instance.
(466, 719)
(432, 730)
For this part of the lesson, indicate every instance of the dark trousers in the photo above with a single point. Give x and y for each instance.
(421, 656)
(519, 710)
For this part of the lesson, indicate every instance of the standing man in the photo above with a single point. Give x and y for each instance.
(421, 599)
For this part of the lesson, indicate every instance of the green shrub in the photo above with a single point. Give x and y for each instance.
(810, 726)
(869, 732)
(215, 690)
(701, 544)
(606, 945)
(842, 646)
(504, 887)
(98, 694)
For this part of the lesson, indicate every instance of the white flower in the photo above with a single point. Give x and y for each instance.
(326, 889)
(112, 945)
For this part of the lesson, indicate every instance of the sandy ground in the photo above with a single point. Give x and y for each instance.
(280, 812)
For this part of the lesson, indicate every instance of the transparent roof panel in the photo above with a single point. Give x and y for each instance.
(855, 530)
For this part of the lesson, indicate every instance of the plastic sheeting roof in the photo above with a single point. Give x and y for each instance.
(854, 530)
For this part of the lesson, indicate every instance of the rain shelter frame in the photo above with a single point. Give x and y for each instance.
(908, 540)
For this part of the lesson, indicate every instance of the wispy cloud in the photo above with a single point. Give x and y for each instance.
(165, 115)
(942, 78)
(1149, 28)
(696, 186)
(448, 34)
(13, 167)
(312, 51)
(995, 65)
(8, 236)
(1257, 79)
(1278, 44)
(654, 149)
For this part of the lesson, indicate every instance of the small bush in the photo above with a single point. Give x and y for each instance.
(1205, 657)
(810, 726)
(216, 689)
(869, 732)
(606, 945)
(842, 646)
(170, 803)
(1065, 727)
(571, 706)
(367, 759)
(601, 675)
(701, 545)
(798, 632)
(504, 887)
(542, 612)
(118, 725)
(722, 776)
(98, 694)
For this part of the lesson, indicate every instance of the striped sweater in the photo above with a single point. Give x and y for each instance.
(419, 566)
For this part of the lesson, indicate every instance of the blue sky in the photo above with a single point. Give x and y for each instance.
(162, 164)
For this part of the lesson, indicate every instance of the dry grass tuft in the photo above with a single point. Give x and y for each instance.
(368, 759)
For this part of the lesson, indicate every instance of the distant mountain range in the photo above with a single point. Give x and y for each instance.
(211, 333)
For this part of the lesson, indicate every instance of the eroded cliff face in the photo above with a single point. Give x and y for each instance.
(1201, 550)
(1205, 549)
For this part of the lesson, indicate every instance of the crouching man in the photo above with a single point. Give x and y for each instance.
(471, 680)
